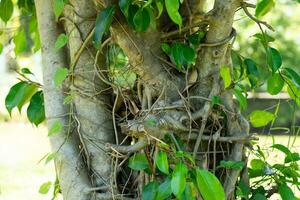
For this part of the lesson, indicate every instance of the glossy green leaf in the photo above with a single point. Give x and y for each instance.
(209, 185)
(261, 118)
(241, 98)
(6, 10)
(164, 190)
(292, 75)
(162, 162)
(58, 7)
(36, 108)
(275, 84)
(18, 95)
(160, 7)
(150, 191)
(274, 59)
(102, 25)
(60, 75)
(263, 7)
(282, 148)
(181, 54)
(138, 162)
(61, 41)
(293, 157)
(252, 72)
(124, 6)
(172, 7)
(141, 20)
(286, 192)
(226, 76)
(45, 187)
(178, 181)
(55, 128)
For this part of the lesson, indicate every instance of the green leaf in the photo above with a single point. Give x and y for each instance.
(274, 59)
(55, 128)
(45, 187)
(258, 196)
(292, 75)
(231, 164)
(138, 162)
(166, 48)
(150, 191)
(275, 84)
(58, 7)
(286, 192)
(172, 7)
(60, 75)
(241, 98)
(252, 72)
(102, 25)
(282, 148)
(293, 157)
(160, 7)
(26, 71)
(264, 38)
(6, 10)
(196, 38)
(51, 157)
(162, 162)
(36, 109)
(164, 189)
(178, 181)
(181, 54)
(61, 41)
(124, 6)
(261, 118)
(209, 185)
(20, 42)
(263, 7)
(141, 20)
(257, 164)
(1, 48)
(188, 193)
(18, 95)
(226, 76)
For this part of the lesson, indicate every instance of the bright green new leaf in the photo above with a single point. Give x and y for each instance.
(102, 25)
(286, 192)
(36, 108)
(1, 48)
(164, 190)
(61, 41)
(60, 75)
(20, 42)
(257, 164)
(6, 10)
(275, 84)
(225, 74)
(45, 187)
(274, 59)
(51, 157)
(209, 185)
(124, 6)
(263, 7)
(162, 162)
(261, 118)
(18, 95)
(241, 98)
(150, 191)
(55, 128)
(172, 7)
(292, 75)
(178, 181)
(138, 162)
(58, 7)
(160, 7)
(142, 20)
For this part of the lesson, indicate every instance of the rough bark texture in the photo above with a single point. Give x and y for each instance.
(70, 168)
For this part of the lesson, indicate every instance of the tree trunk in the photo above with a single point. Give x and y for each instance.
(90, 156)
